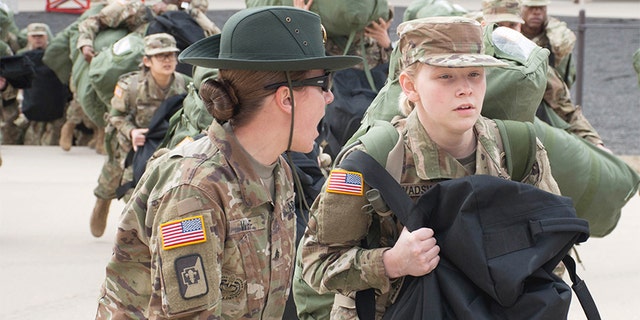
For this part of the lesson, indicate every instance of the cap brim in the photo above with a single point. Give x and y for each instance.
(462, 60)
(205, 53)
(159, 51)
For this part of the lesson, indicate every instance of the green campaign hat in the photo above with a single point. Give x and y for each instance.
(267, 39)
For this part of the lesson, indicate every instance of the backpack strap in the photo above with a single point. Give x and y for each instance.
(519, 142)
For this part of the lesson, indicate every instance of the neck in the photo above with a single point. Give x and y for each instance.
(530, 32)
(458, 146)
(267, 148)
(162, 80)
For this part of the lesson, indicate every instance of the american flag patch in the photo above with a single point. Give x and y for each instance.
(118, 91)
(183, 232)
(345, 182)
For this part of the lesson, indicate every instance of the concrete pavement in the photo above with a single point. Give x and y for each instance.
(51, 267)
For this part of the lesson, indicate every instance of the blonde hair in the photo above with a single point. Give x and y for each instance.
(404, 105)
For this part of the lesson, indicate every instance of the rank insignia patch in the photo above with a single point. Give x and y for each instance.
(183, 232)
(192, 280)
(345, 182)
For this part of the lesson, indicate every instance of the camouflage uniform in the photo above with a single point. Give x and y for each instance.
(12, 132)
(125, 117)
(242, 267)
(46, 133)
(331, 255)
(130, 14)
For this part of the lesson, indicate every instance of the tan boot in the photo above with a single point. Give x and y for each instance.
(66, 135)
(99, 217)
(98, 135)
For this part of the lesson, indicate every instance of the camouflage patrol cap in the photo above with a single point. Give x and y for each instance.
(34, 29)
(536, 3)
(495, 11)
(270, 38)
(453, 42)
(159, 43)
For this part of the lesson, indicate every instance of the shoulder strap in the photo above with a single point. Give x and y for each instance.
(380, 140)
(519, 141)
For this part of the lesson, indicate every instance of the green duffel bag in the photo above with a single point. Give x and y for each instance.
(599, 182)
(87, 96)
(58, 56)
(339, 17)
(432, 8)
(193, 119)
(124, 56)
(514, 92)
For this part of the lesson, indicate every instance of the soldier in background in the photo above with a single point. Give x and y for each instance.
(550, 33)
(44, 103)
(136, 98)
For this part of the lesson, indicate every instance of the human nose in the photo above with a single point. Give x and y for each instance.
(328, 96)
(465, 88)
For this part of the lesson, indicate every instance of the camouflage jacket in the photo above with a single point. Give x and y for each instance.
(332, 257)
(131, 110)
(201, 238)
(558, 97)
(130, 14)
(560, 40)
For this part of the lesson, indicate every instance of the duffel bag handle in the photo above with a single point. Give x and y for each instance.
(581, 226)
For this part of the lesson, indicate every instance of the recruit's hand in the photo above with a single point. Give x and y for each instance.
(87, 52)
(138, 137)
(302, 4)
(379, 31)
(415, 253)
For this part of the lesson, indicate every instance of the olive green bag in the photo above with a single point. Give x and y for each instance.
(124, 56)
(339, 17)
(432, 8)
(599, 182)
(91, 104)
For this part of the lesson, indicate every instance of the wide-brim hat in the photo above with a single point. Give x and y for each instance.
(454, 42)
(267, 39)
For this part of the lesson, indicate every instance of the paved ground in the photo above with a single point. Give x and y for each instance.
(51, 267)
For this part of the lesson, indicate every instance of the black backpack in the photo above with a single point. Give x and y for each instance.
(500, 241)
(47, 96)
(182, 27)
(158, 127)
(352, 96)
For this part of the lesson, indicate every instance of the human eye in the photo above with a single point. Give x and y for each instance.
(476, 74)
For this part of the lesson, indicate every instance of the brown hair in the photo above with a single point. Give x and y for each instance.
(236, 95)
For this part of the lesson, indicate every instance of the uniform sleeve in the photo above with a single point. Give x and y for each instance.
(332, 257)
(87, 30)
(558, 97)
(121, 113)
(113, 15)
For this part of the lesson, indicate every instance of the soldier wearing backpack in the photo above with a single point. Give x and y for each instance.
(136, 98)
(442, 137)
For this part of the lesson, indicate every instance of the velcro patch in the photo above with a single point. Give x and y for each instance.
(184, 232)
(345, 182)
(191, 277)
(118, 91)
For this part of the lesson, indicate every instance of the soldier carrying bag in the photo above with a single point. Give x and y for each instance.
(499, 243)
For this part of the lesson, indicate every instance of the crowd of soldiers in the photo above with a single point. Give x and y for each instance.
(122, 129)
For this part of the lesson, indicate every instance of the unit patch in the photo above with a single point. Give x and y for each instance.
(182, 232)
(192, 280)
(345, 182)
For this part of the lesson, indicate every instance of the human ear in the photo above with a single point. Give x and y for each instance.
(283, 99)
(146, 61)
(408, 87)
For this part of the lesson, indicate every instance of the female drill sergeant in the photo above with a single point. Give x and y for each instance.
(209, 231)
(443, 136)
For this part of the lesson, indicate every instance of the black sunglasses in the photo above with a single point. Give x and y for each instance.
(323, 82)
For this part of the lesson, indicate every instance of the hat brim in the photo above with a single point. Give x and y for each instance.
(458, 60)
(159, 51)
(205, 53)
